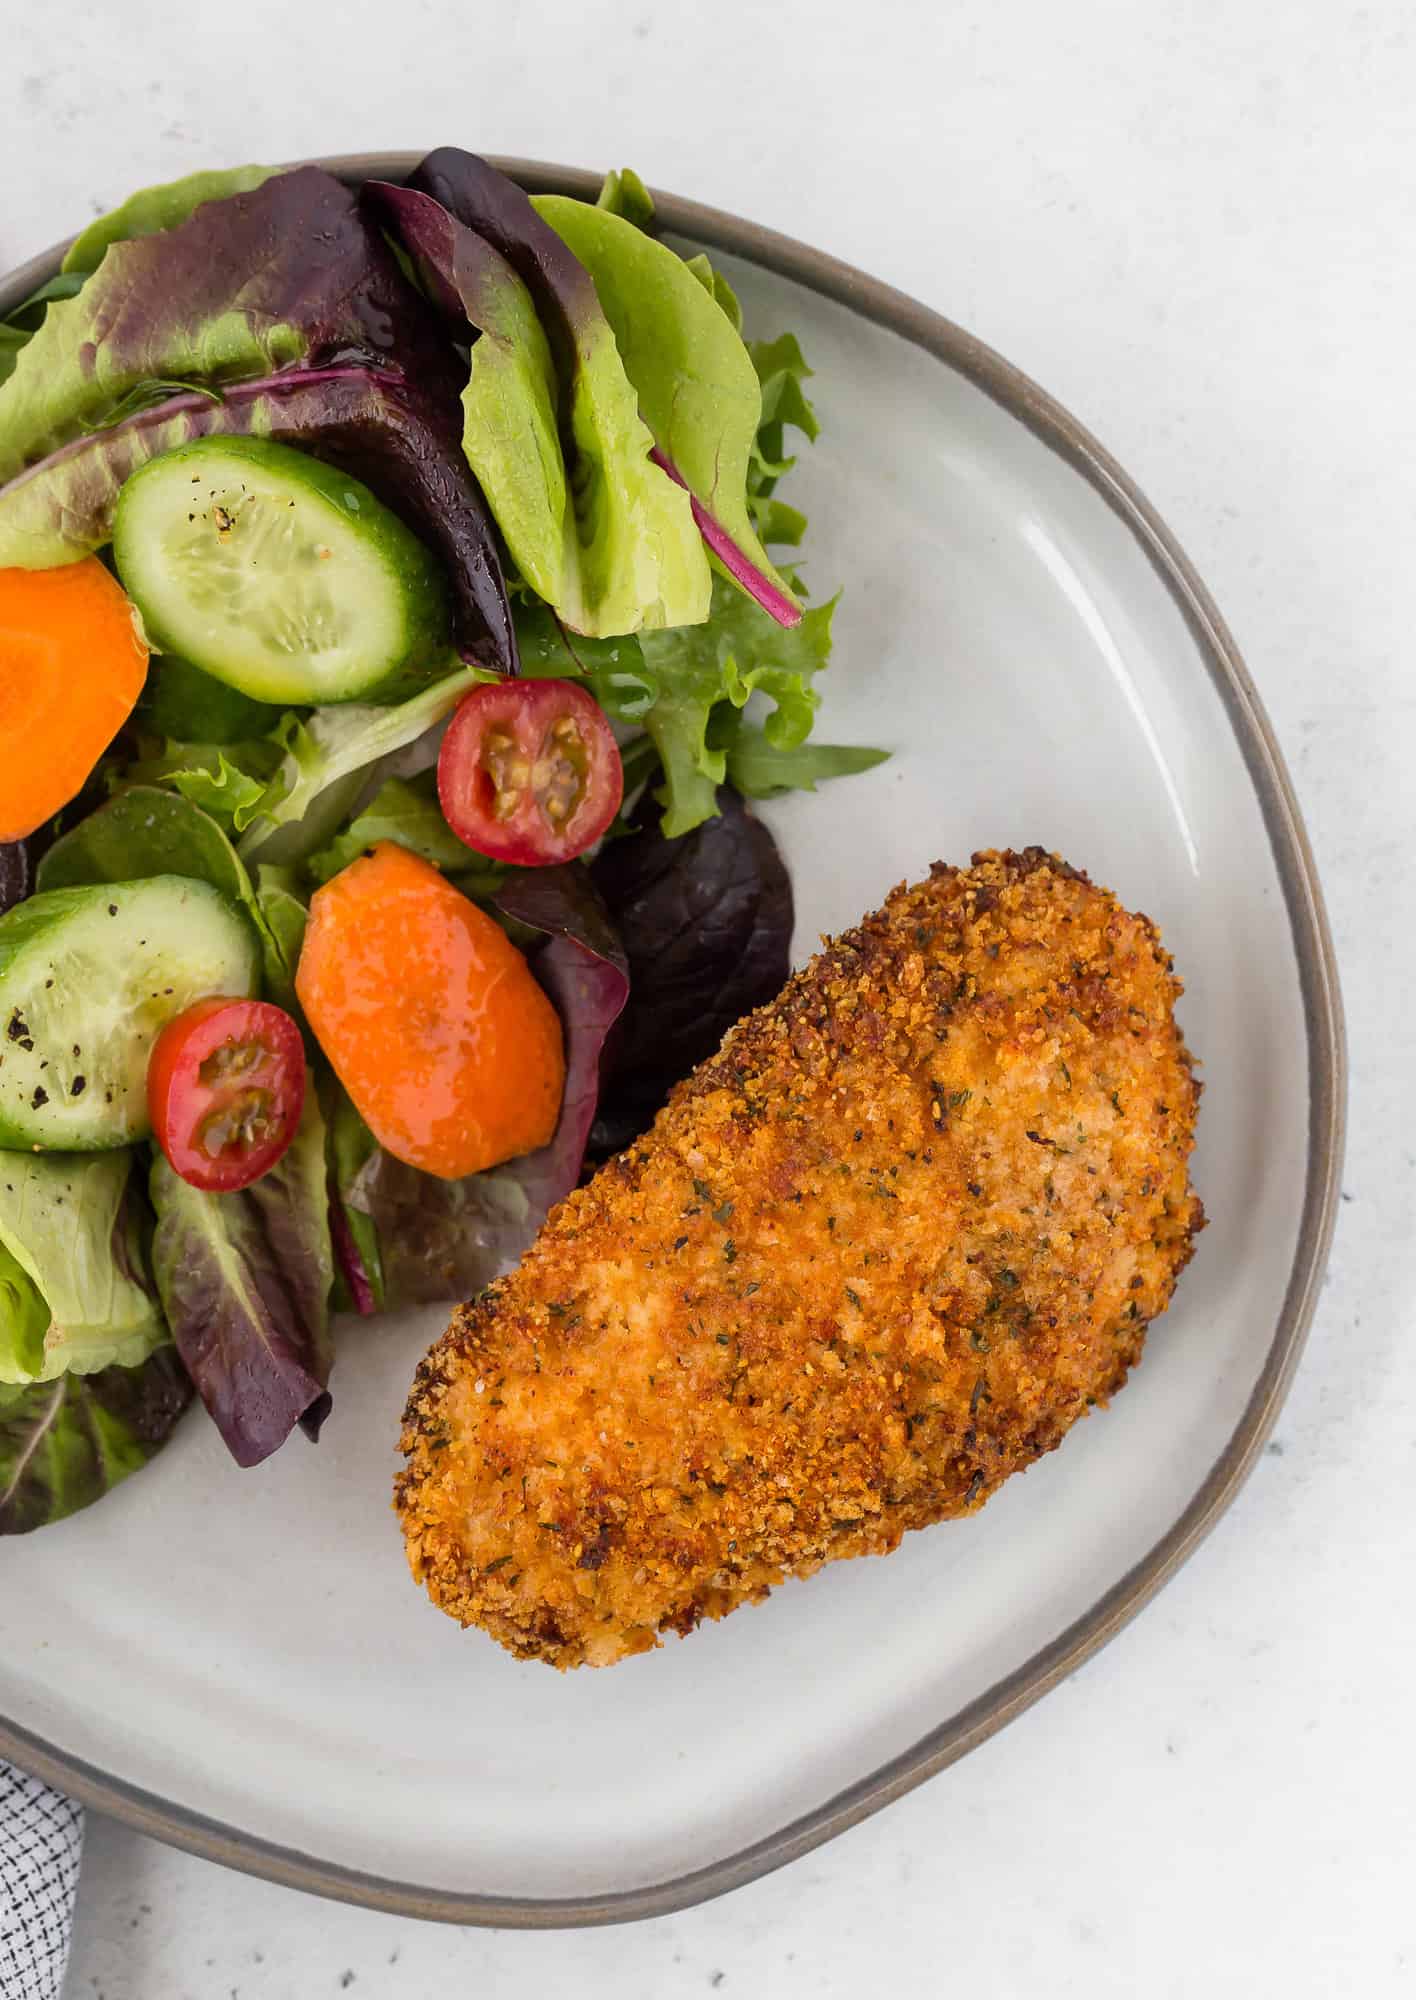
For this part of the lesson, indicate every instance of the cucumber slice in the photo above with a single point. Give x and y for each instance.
(88, 978)
(276, 574)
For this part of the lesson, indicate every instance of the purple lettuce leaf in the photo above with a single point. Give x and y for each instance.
(400, 435)
(287, 274)
(64, 1444)
(748, 575)
(16, 874)
(434, 1241)
(706, 922)
(582, 966)
(497, 209)
(245, 1280)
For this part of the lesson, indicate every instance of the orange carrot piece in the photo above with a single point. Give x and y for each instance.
(430, 1016)
(71, 667)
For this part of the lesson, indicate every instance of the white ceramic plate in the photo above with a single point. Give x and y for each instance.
(238, 1661)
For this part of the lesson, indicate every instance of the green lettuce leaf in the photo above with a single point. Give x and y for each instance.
(698, 390)
(283, 914)
(64, 1444)
(717, 287)
(623, 193)
(20, 327)
(74, 1289)
(154, 209)
(781, 370)
(760, 770)
(219, 779)
(561, 453)
(402, 812)
(333, 756)
(739, 652)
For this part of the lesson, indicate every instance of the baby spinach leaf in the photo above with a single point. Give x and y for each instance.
(145, 830)
(613, 668)
(64, 1444)
(182, 702)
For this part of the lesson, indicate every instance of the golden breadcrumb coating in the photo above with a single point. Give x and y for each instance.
(879, 1252)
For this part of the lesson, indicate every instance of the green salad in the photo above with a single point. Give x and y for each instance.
(398, 611)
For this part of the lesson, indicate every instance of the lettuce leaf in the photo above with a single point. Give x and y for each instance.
(697, 387)
(20, 326)
(283, 913)
(759, 770)
(739, 652)
(64, 1444)
(398, 812)
(706, 922)
(286, 274)
(245, 1281)
(552, 430)
(397, 432)
(229, 782)
(74, 1288)
(623, 193)
(335, 755)
(154, 209)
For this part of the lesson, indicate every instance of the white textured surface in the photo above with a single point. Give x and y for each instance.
(1193, 225)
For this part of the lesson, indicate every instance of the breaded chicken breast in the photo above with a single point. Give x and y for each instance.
(878, 1253)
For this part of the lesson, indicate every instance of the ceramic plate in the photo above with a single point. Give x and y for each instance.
(237, 1661)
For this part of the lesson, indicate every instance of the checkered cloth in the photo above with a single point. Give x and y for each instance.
(41, 1839)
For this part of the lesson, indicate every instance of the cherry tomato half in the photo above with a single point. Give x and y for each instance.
(530, 772)
(226, 1086)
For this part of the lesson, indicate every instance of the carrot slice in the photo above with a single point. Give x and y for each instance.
(430, 1017)
(71, 667)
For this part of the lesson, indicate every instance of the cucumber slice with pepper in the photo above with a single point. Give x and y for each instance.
(88, 979)
(278, 575)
